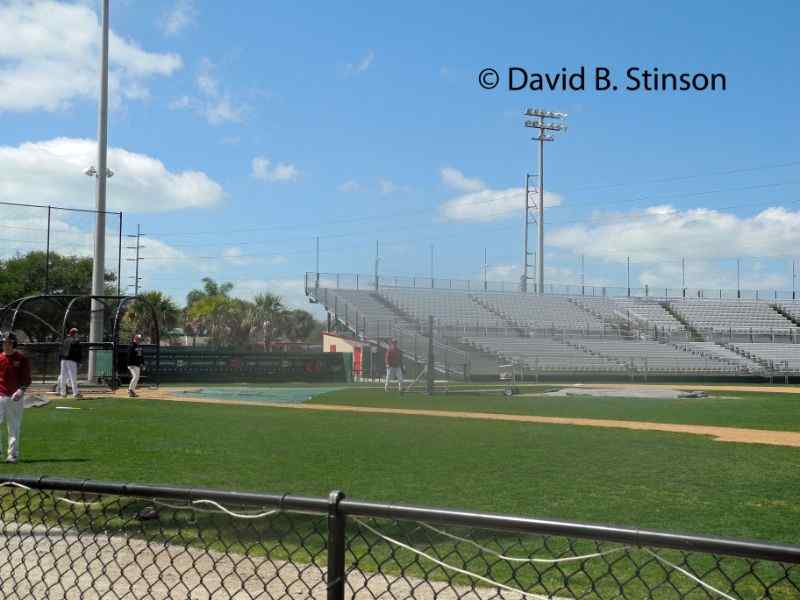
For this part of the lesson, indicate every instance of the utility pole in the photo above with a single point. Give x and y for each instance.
(683, 276)
(583, 281)
(794, 279)
(629, 276)
(432, 266)
(137, 247)
(99, 266)
(738, 278)
(543, 126)
(485, 272)
(377, 260)
(316, 280)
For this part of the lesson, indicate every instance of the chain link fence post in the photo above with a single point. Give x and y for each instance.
(336, 547)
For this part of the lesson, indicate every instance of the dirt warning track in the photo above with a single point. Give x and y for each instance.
(720, 434)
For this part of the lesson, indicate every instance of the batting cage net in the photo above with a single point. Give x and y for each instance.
(73, 539)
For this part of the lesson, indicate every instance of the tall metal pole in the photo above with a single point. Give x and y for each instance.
(432, 266)
(629, 276)
(540, 262)
(683, 276)
(377, 260)
(98, 272)
(738, 278)
(486, 270)
(316, 281)
(543, 126)
(47, 255)
(119, 259)
(794, 279)
(138, 239)
(583, 280)
(524, 282)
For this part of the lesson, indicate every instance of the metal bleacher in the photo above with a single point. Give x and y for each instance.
(562, 334)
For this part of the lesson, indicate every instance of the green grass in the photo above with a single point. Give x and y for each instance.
(654, 480)
(780, 412)
(642, 479)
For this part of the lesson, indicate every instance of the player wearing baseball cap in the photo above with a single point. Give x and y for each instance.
(70, 356)
(15, 377)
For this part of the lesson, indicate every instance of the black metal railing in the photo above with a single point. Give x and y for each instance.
(64, 538)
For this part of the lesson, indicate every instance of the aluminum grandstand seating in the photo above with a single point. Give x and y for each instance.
(657, 357)
(790, 307)
(445, 306)
(546, 354)
(778, 357)
(577, 334)
(722, 353)
(736, 315)
(650, 311)
(363, 306)
(541, 311)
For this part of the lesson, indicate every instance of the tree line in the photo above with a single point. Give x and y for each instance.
(211, 311)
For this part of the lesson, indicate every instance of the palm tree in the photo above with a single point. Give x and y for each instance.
(298, 325)
(210, 288)
(223, 318)
(139, 319)
(265, 314)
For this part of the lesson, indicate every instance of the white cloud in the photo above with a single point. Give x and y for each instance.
(49, 56)
(350, 186)
(51, 172)
(661, 232)
(457, 180)
(362, 65)
(214, 106)
(278, 260)
(490, 205)
(179, 17)
(263, 170)
(235, 256)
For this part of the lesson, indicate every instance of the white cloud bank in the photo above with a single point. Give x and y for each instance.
(51, 172)
(49, 57)
(480, 203)
(658, 237)
(660, 232)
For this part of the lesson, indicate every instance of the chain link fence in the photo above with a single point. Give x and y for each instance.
(81, 539)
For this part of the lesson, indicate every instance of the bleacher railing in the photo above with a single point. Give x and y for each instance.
(411, 336)
(67, 538)
(355, 281)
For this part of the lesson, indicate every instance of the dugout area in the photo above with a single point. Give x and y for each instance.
(41, 323)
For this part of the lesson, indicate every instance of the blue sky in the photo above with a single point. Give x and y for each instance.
(240, 131)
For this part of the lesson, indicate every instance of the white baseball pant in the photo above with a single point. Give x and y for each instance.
(394, 373)
(69, 373)
(11, 412)
(135, 373)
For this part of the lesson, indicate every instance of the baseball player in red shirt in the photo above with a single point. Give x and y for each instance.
(15, 377)
(394, 366)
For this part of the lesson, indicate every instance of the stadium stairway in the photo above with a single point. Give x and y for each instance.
(694, 334)
(504, 317)
(785, 314)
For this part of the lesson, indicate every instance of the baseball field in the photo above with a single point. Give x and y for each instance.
(651, 463)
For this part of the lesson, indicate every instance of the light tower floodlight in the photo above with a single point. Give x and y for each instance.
(548, 114)
(92, 172)
(543, 126)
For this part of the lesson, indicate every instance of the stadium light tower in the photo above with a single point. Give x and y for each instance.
(540, 122)
(101, 173)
